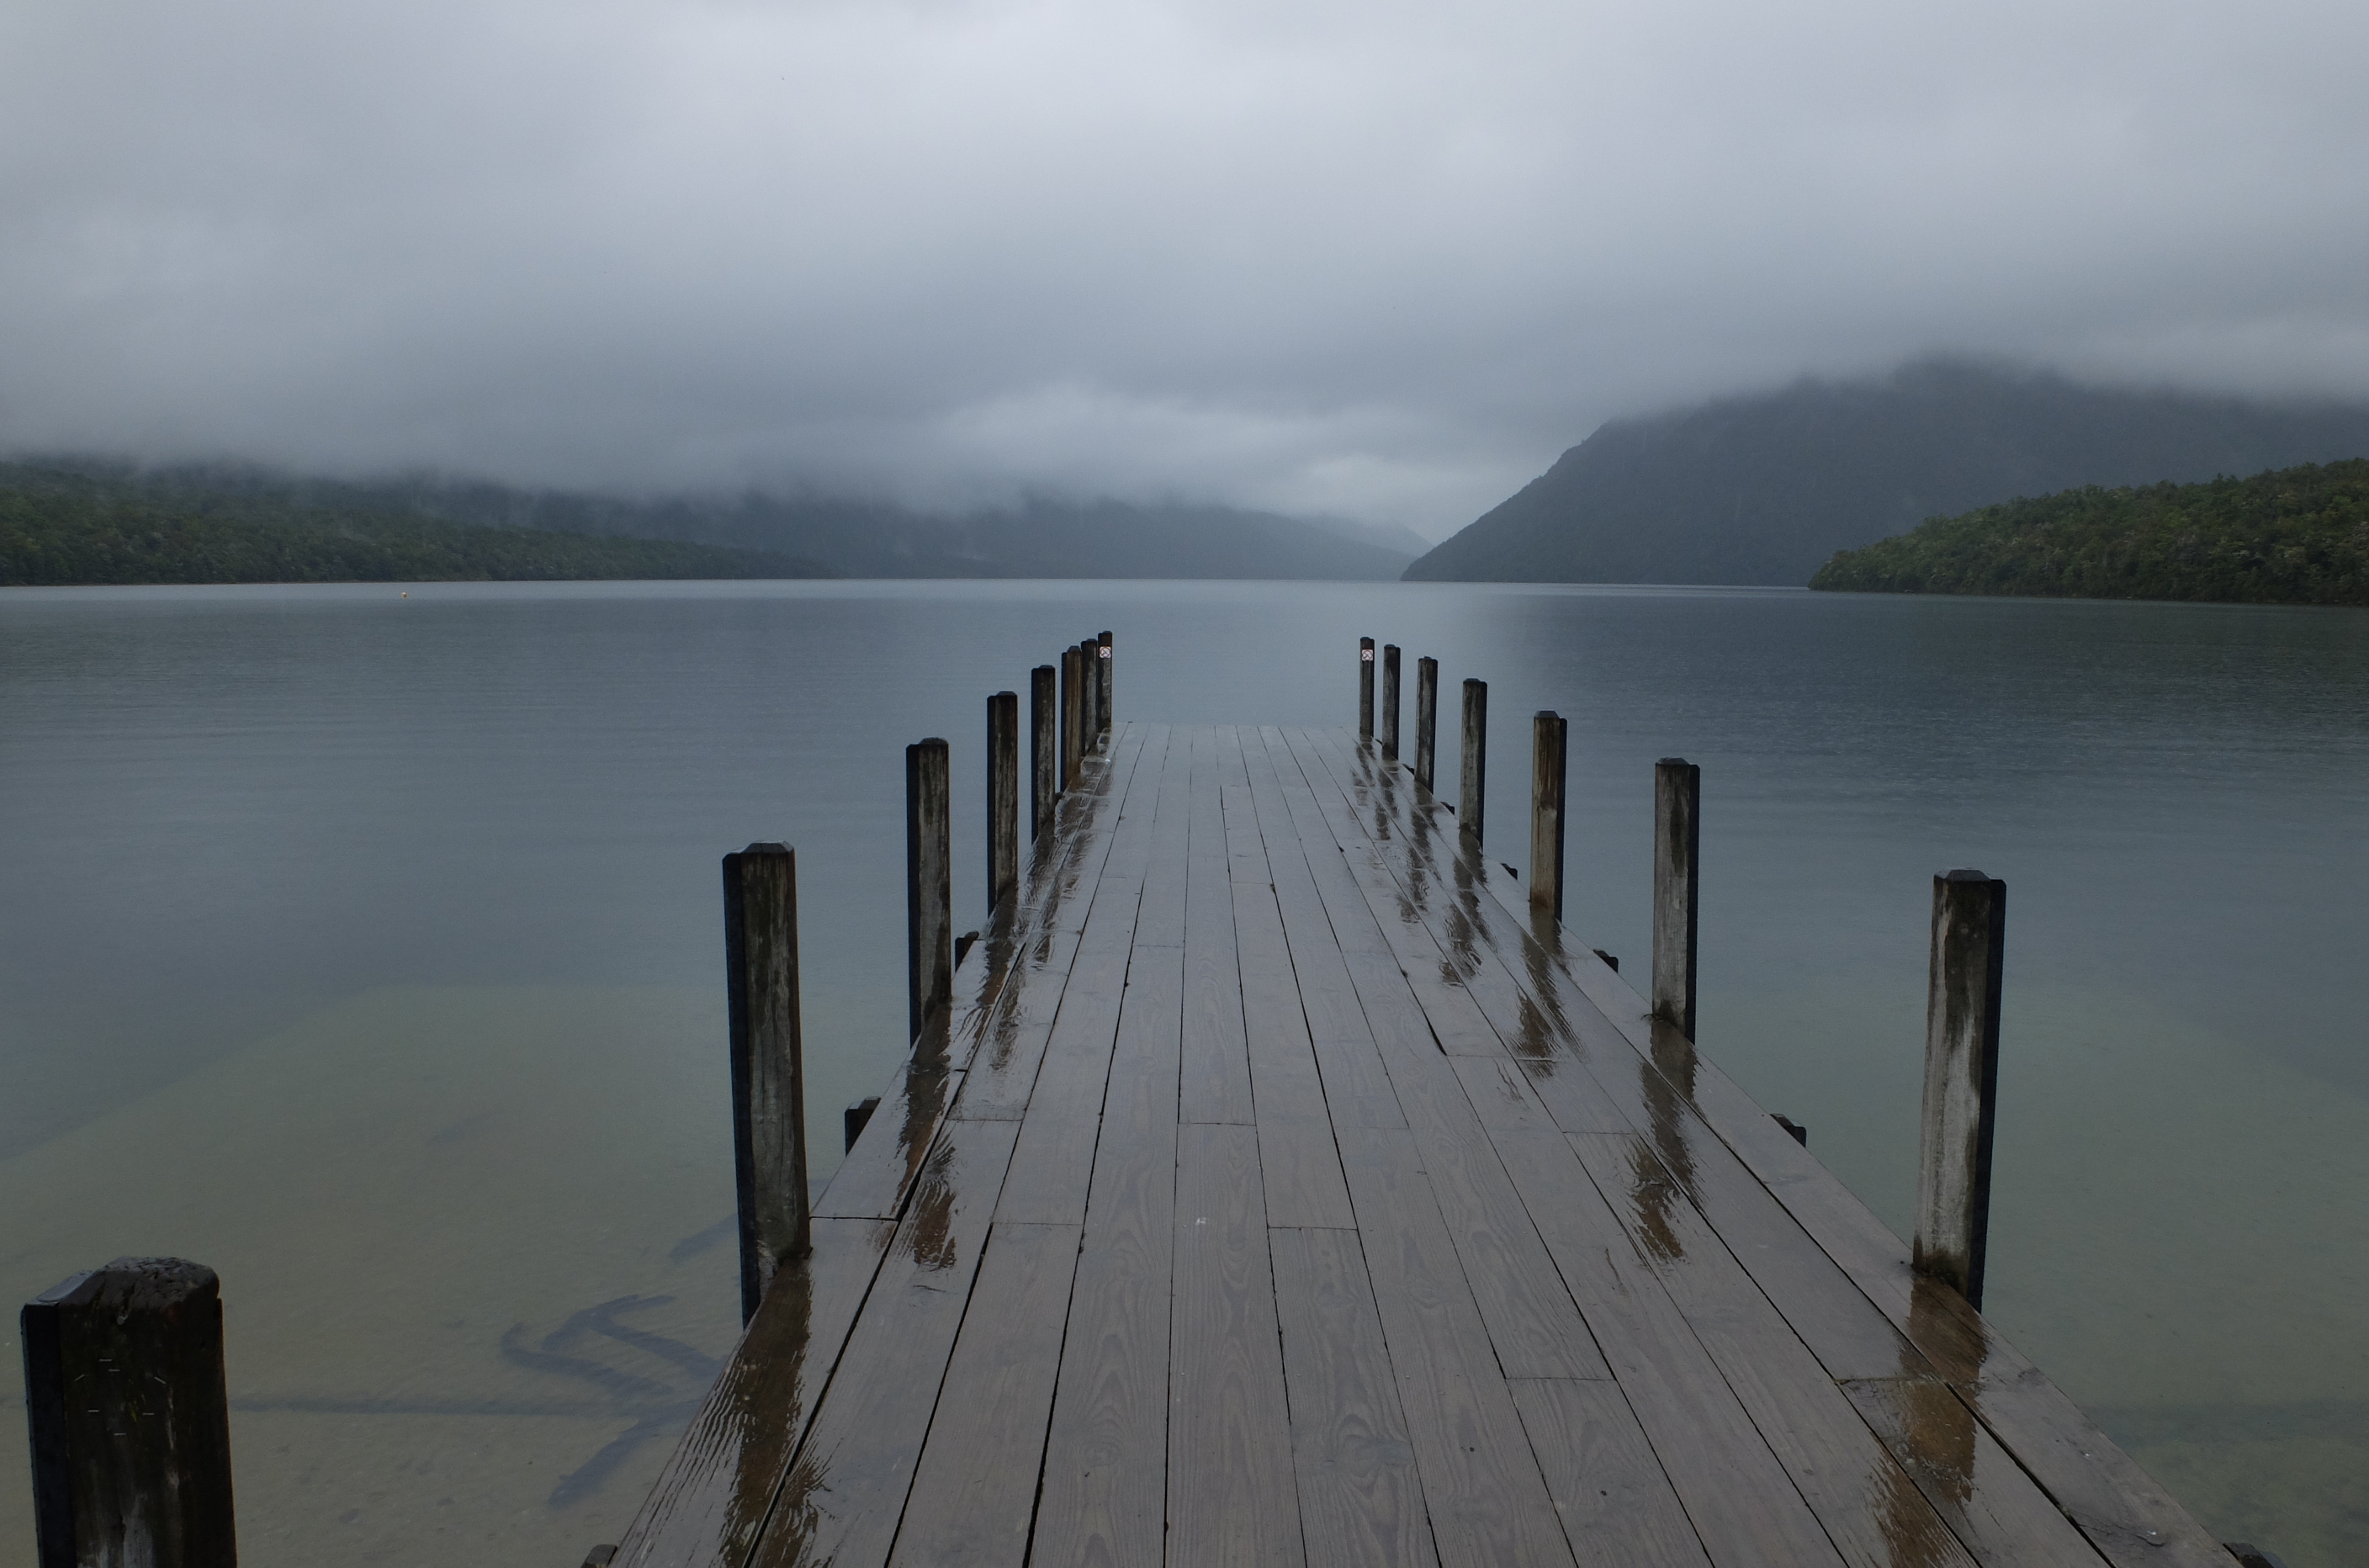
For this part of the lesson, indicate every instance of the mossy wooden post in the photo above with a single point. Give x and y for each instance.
(929, 882)
(1365, 688)
(1389, 702)
(129, 1419)
(1103, 686)
(1473, 788)
(769, 1117)
(1073, 714)
(1426, 719)
(1044, 746)
(1002, 796)
(1550, 755)
(1677, 878)
(1962, 1023)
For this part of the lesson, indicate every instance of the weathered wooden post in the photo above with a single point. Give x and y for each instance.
(1072, 717)
(1472, 789)
(929, 882)
(1044, 748)
(1002, 796)
(1389, 702)
(1677, 878)
(1427, 718)
(1365, 688)
(769, 1097)
(130, 1419)
(1103, 687)
(1550, 755)
(1090, 680)
(1962, 1009)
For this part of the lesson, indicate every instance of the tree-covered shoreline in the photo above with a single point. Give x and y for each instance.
(60, 528)
(2288, 537)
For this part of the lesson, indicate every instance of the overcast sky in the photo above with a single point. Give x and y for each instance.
(1377, 259)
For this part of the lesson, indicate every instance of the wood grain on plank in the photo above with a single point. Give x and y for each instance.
(1535, 1325)
(1216, 1070)
(1104, 1488)
(1231, 1495)
(1295, 1127)
(1487, 1501)
(870, 1182)
(1966, 1476)
(1616, 1505)
(712, 1498)
(975, 1485)
(1360, 1499)
(1057, 1132)
(846, 1490)
(1873, 1511)
(1745, 1507)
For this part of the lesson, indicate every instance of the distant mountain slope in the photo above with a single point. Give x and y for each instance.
(2295, 536)
(854, 538)
(63, 528)
(1764, 489)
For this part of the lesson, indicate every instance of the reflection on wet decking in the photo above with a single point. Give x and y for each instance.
(1274, 1195)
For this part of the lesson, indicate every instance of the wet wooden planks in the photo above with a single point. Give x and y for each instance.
(1276, 1192)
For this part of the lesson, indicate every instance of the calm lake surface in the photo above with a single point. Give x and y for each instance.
(369, 949)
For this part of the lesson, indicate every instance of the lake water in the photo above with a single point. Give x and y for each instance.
(369, 949)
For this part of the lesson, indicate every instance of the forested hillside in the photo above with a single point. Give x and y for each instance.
(2293, 536)
(835, 536)
(58, 528)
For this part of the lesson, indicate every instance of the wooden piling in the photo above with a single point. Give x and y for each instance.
(1090, 679)
(929, 883)
(1002, 796)
(769, 1118)
(1389, 702)
(1953, 1167)
(1677, 843)
(1044, 748)
(1073, 716)
(129, 1417)
(1426, 719)
(1365, 688)
(1473, 788)
(1550, 755)
(1103, 686)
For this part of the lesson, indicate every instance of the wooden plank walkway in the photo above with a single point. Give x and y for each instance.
(1276, 1194)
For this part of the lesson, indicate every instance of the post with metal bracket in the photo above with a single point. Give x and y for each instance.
(769, 1118)
(1365, 688)
(1472, 789)
(1962, 1034)
(1103, 686)
(1677, 878)
(1426, 719)
(1550, 755)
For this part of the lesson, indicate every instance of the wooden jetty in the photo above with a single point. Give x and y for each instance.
(1282, 1186)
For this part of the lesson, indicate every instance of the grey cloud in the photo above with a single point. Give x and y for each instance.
(1381, 259)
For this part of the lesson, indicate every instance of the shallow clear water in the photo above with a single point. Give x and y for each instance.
(368, 949)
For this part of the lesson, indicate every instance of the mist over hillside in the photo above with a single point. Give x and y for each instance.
(1765, 488)
(828, 536)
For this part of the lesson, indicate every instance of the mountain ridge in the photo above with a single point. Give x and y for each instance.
(1763, 488)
